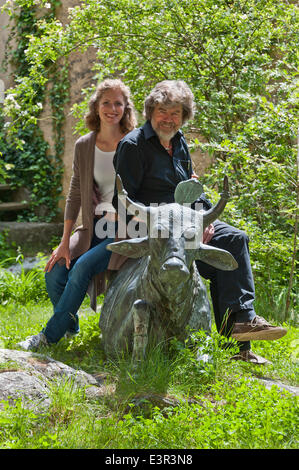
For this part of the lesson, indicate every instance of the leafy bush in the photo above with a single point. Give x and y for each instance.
(22, 286)
(8, 251)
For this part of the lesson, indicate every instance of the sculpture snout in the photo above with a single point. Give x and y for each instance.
(174, 268)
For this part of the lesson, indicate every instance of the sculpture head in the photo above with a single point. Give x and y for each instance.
(175, 230)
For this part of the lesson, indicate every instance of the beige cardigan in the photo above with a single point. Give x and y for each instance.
(84, 194)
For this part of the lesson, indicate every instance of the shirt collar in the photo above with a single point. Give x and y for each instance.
(149, 131)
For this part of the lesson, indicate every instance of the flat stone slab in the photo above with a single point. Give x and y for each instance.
(4, 186)
(28, 376)
(14, 206)
(269, 383)
(32, 236)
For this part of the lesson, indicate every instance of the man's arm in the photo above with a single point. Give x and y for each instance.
(129, 166)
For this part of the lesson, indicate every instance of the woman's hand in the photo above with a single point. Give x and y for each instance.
(208, 233)
(62, 251)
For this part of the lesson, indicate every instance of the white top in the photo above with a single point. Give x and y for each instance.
(104, 175)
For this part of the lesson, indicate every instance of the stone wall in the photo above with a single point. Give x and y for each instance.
(80, 77)
(6, 77)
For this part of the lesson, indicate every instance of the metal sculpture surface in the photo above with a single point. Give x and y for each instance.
(158, 294)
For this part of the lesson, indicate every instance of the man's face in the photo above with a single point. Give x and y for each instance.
(166, 120)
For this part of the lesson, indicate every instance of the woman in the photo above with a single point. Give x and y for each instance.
(83, 257)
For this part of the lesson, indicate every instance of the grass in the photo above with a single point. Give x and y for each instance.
(170, 401)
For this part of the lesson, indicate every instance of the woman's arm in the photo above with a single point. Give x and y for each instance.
(73, 199)
(63, 249)
(72, 208)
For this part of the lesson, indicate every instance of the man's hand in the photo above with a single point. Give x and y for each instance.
(62, 251)
(208, 233)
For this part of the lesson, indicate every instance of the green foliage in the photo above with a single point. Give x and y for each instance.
(240, 59)
(7, 250)
(234, 56)
(265, 419)
(200, 361)
(22, 286)
(15, 423)
(35, 170)
(271, 255)
(217, 403)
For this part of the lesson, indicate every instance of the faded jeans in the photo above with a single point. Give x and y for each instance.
(67, 288)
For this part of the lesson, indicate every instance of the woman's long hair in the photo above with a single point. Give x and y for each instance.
(127, 122)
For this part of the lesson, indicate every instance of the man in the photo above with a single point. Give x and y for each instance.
(151, 161)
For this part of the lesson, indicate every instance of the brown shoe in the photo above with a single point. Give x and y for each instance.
(257, 329)
(249, 356)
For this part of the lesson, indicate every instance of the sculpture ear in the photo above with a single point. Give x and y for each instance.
(134, 248)
(188, 191)
(220, 259)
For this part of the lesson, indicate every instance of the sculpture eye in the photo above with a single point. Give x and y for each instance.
(190, 233)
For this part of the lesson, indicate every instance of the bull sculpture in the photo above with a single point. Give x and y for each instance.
(158, 293)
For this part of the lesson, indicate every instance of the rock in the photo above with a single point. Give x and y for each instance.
(16, 384)
(27, 264)
(160, 401)
(269, 383)
(28, 375)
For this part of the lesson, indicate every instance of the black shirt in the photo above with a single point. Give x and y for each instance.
(149, 174)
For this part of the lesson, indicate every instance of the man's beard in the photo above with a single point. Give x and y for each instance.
(163, 135)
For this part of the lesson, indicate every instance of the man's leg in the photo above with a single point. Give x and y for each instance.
(233, 291)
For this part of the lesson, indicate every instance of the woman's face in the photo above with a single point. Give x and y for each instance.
(111, 106)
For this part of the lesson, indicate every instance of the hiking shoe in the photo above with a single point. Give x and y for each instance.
(71, 334)
(33, 342)
(249, 356)
(257, 329)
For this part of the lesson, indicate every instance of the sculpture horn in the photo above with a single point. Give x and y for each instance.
(212, 214)
(131, 206)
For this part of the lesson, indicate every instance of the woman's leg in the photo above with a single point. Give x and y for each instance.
(56, 281)
(65, 318)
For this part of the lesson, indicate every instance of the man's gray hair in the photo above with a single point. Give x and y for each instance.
(171, 93)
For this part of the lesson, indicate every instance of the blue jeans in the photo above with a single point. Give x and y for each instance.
(67, 288)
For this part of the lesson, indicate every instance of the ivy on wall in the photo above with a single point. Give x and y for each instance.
(27, 155)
